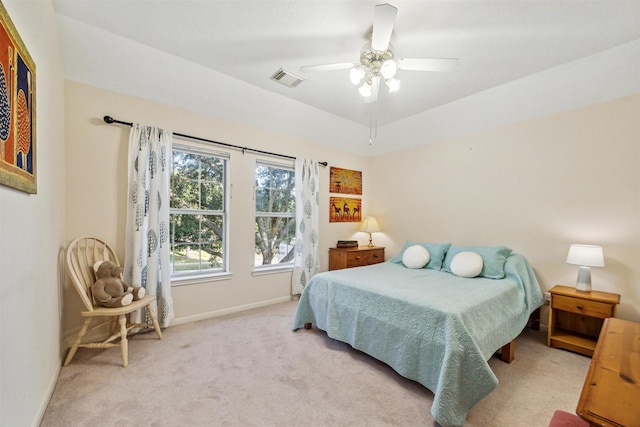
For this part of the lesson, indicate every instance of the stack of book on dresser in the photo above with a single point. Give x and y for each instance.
(347, 244)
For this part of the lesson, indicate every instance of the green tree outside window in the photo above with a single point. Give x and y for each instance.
(197, 212)
(275, 227)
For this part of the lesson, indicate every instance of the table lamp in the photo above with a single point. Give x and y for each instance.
(586, 256)
(370, 225)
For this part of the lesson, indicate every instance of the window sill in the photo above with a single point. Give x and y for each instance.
(261, 271)
(203, 278)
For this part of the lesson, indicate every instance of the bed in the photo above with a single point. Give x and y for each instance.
(428, 324)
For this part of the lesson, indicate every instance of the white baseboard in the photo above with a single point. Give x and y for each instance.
(47, 396)
(71, 335)
(230, 310)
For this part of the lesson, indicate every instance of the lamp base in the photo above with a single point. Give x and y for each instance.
(370, 241)
(583, 284)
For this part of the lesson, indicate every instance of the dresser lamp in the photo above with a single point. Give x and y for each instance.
(370, 225)
(585, 256)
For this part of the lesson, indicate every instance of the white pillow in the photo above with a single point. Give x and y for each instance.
(466, 264)
(416, 256)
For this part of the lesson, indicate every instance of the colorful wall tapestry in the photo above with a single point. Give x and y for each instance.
(17, 110)
(345, 209)
(345, 181)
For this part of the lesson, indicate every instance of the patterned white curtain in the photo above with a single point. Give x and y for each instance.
(146, 244)
(306, 263)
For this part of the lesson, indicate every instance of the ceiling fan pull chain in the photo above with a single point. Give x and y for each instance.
(373, 124)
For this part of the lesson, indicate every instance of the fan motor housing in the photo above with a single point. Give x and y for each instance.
(373, 59)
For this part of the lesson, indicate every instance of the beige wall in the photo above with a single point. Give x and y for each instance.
(96, 193)
(536, 186)
(32, 236)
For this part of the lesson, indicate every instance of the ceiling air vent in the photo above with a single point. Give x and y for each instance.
(287, 78)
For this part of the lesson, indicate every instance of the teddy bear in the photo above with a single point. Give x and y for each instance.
(109, 290)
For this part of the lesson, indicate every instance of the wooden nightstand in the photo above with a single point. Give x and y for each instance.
(575, 318)
(340, 258)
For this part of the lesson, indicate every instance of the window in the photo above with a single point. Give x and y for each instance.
(275, 197)
(198, 214)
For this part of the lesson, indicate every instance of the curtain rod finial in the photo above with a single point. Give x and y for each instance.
(108, 119)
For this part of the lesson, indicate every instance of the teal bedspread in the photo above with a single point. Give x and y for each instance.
(430, 326)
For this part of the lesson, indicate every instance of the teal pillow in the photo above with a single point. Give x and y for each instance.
(437, 251)
(493, 259)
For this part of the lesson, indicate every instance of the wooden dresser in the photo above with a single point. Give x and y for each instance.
(340, 258)
(611, 389)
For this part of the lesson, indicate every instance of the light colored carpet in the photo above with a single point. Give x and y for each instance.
(250, 369)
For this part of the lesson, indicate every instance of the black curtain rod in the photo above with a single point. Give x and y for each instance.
(111, 120)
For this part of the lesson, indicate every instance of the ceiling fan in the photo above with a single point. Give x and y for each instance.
(377, 60)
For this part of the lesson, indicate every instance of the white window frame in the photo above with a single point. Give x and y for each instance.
(271, 268)
(218, 273)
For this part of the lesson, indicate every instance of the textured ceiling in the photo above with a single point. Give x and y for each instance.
(497, 42)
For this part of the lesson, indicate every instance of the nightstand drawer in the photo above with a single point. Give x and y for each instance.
(375, 256)
(581, 306)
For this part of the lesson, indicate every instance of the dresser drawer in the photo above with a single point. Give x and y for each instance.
(356, 259)
(360, 256)
(375, 256)
(581, 306)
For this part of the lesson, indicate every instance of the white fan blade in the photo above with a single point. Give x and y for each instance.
(375, 85)
(427, 64)
(384, 16)
(328, 67)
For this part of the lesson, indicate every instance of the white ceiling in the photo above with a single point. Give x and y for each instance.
(497, 42)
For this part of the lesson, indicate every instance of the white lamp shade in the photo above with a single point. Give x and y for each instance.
(366, 90)
(388, 69)
(585, 255)
(370, 225)
(356, 75)
(393, 84)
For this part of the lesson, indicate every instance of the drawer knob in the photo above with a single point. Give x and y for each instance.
(579, 307)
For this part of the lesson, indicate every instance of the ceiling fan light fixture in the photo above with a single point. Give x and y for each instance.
(388, 69)
(356, 75)
(393, 84)
(377, 59)
(365, 90)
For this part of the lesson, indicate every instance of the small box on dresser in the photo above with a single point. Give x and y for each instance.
(340, 258)
(576, 318)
